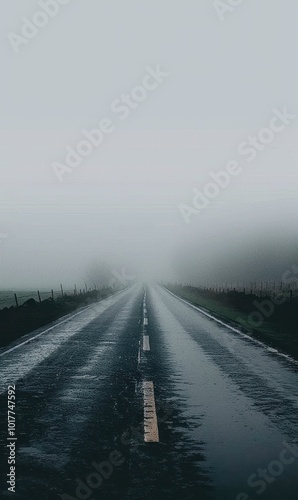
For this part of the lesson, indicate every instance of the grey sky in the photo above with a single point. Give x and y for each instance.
(122, 202)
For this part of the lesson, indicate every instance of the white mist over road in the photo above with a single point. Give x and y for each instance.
(121, 202)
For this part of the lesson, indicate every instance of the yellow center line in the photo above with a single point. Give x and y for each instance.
(146, 344)
(151, 434)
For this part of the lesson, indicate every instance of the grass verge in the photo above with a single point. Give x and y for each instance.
(271, 321)
(18, 321)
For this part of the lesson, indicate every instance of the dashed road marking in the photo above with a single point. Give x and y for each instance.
(145, 321)
(151, 434)
(146, 343)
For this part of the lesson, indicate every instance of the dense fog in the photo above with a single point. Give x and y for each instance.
(150, 140)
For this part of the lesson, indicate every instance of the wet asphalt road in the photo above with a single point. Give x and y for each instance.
(225, 407)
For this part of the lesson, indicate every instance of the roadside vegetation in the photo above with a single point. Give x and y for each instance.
(270, 318)
(18, 321)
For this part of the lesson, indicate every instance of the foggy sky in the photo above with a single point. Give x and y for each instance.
(121, 204)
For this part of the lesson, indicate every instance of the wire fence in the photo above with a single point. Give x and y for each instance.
(260, 289)
(12, 299)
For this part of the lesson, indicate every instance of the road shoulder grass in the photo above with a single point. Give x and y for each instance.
(278, 334)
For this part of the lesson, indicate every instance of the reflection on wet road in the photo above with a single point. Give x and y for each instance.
(141, 395)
